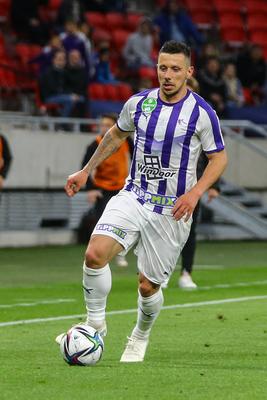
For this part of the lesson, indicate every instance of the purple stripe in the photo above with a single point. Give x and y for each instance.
(167, 147)
(137, 116)
(186, 151)
(213, 120)
(158, 209)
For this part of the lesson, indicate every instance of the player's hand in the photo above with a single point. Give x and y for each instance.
(1, 182)
(212, 194)
(75, 182)
(185, 205)
(93, 195)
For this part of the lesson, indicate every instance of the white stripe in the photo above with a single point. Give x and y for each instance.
(37, 303)
(134, 310)
(233, 285)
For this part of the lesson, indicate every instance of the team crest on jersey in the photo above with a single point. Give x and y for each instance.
(149, 105)
(153, 170)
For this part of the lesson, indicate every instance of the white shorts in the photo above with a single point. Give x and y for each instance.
(159, 238)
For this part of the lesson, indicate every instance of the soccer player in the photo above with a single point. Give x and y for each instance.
(153, 211)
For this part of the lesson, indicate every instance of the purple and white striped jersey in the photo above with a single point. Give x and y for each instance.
(168, 140)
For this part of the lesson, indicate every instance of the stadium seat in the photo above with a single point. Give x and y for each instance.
(119, 38)
(222, 6)
(115, 20)
(54, 4)
(256, 22)
(203, 19)
(4, 10)
(230, 20)
(133, 20)
(100, 34)
(255, 6)
(96, 19)
(111, 92)
(235, 37)
(96, 91)
(195, 6)
(125, 91)
(259, 37)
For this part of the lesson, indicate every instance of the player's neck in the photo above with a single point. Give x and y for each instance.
(174, 98)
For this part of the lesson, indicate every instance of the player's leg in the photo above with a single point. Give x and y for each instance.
(150, 300)
(97, 278)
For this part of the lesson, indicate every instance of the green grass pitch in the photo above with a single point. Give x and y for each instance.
(198, 350)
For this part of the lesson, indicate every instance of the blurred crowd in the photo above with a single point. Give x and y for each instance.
(75, 53)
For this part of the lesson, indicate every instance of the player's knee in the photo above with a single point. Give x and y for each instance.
(94, 258)
(147, 288)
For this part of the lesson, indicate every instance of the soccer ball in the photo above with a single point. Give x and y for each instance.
(82, 345)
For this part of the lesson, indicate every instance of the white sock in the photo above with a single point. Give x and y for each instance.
(148, 311)
(96, 287)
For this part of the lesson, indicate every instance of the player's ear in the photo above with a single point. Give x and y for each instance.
(190, 71)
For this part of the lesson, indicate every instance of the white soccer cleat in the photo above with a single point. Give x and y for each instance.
(121, 261)
(186, 282)
(102, 330)
(135, 350)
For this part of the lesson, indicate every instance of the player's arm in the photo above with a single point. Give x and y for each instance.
(110, 143)
(186, 204)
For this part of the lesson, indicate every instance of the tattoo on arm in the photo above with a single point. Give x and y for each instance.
(107, 146)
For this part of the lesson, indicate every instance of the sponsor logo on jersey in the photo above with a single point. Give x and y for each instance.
(149, 105)
(153, 170)
(155, 199)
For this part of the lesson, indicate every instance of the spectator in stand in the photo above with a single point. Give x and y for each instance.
(5, 160)
(55, 87)
(137, 51)
(108, 179)
(235, 95)
(71, 9)
(174, 23)
(77, 79)
(26, 22)
(207, 50)
(44, 59)
(212, 85)
(251, 70)
(103, 72)
(73, 39)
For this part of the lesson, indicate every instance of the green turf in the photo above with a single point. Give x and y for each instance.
(202, 352)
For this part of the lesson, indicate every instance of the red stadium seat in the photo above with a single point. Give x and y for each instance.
(233, 36)
(255, 6)
(203, 19)
(196, 6)
(256, 22)
(222, 6)
(96, 91)
(259, 37)
(119, 38)
(100, 34)
(125, 91)
(115, 20)
(132, 21)
(231, 20)
(54, 4)
(4, 10)
(96, 19)
(111, 92)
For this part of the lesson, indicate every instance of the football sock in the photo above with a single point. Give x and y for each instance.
(148, 310)
(96, 287)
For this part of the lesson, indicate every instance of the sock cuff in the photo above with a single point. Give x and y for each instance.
(151, 299)
(95, 271)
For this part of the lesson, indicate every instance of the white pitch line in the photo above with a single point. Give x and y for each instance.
(134, 310)
(37, 303)
(233, 285)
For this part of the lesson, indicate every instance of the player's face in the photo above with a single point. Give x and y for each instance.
(173, 71)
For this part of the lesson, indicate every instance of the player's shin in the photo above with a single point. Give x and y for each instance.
(148, 311)
(96, 287)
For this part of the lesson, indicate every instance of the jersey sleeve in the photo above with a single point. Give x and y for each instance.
(210, 133)
(125, 121)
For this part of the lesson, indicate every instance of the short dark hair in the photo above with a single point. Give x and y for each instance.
(112, 115)
(174, 47)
